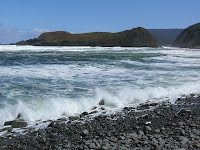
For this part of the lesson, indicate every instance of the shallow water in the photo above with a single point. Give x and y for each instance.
(44, 83)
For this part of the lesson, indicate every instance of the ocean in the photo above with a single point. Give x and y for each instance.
(43, 83)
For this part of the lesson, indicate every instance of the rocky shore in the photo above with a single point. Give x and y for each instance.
(149, 126)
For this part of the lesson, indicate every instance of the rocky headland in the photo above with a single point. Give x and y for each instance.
(189, 38)
(136, 37)
(149, 126)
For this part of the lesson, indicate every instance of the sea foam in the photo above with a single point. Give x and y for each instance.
(43, 83)
(54, 108)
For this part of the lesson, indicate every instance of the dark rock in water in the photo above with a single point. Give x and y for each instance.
(93, 108)
(189, 38)
(93, 112)
(102, 108)
(128, 108)
(149, 104)
(19, 124)
(53, 124)
(85, 113)
(8, 123)
(102, 102)
(62, 119)
(72, 118)
(183, 112)
(19, 115)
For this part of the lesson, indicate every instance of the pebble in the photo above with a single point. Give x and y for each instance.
(92, 146)
(84, 132)
(121, 131)
(157, 131)
(148, 128)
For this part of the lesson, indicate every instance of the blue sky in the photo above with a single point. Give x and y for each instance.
(24, 19)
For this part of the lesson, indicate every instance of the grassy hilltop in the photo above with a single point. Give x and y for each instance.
(136, 37)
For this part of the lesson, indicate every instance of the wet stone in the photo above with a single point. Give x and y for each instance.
(183, 112)
(84, 132)
(8, 123)
(93, 112)
(102, 102)
(147, 128)
(157, 131)
(73, 118)
(85, 113)
(92, 146)
(19, 124)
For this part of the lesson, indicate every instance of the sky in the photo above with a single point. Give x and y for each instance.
(25, 19)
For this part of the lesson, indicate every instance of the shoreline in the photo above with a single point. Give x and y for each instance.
(167, 126)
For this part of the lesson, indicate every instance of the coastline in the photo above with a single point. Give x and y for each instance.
(165, 126)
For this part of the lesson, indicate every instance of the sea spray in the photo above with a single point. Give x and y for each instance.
(43, 83)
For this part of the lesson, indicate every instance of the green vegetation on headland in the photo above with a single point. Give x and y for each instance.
(189, 38)
(136, 37)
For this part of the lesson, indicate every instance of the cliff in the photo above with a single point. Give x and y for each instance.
(189, 38)
(136, 37)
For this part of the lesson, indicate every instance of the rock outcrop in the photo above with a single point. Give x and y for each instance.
(189, 38)
(136, 37)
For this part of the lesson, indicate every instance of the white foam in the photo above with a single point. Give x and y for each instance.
(53, 108)
(152, 79)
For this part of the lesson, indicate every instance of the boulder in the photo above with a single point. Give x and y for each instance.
(8, 123)
(72, 118)
(183, 112)
(19, 124)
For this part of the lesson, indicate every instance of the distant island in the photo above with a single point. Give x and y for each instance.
(136, 37)
(189, 38)
(165, 37)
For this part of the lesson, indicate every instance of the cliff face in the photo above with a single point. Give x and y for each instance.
(137, 37)
(189, 38)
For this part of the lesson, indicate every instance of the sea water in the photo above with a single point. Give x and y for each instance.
(43, 83)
